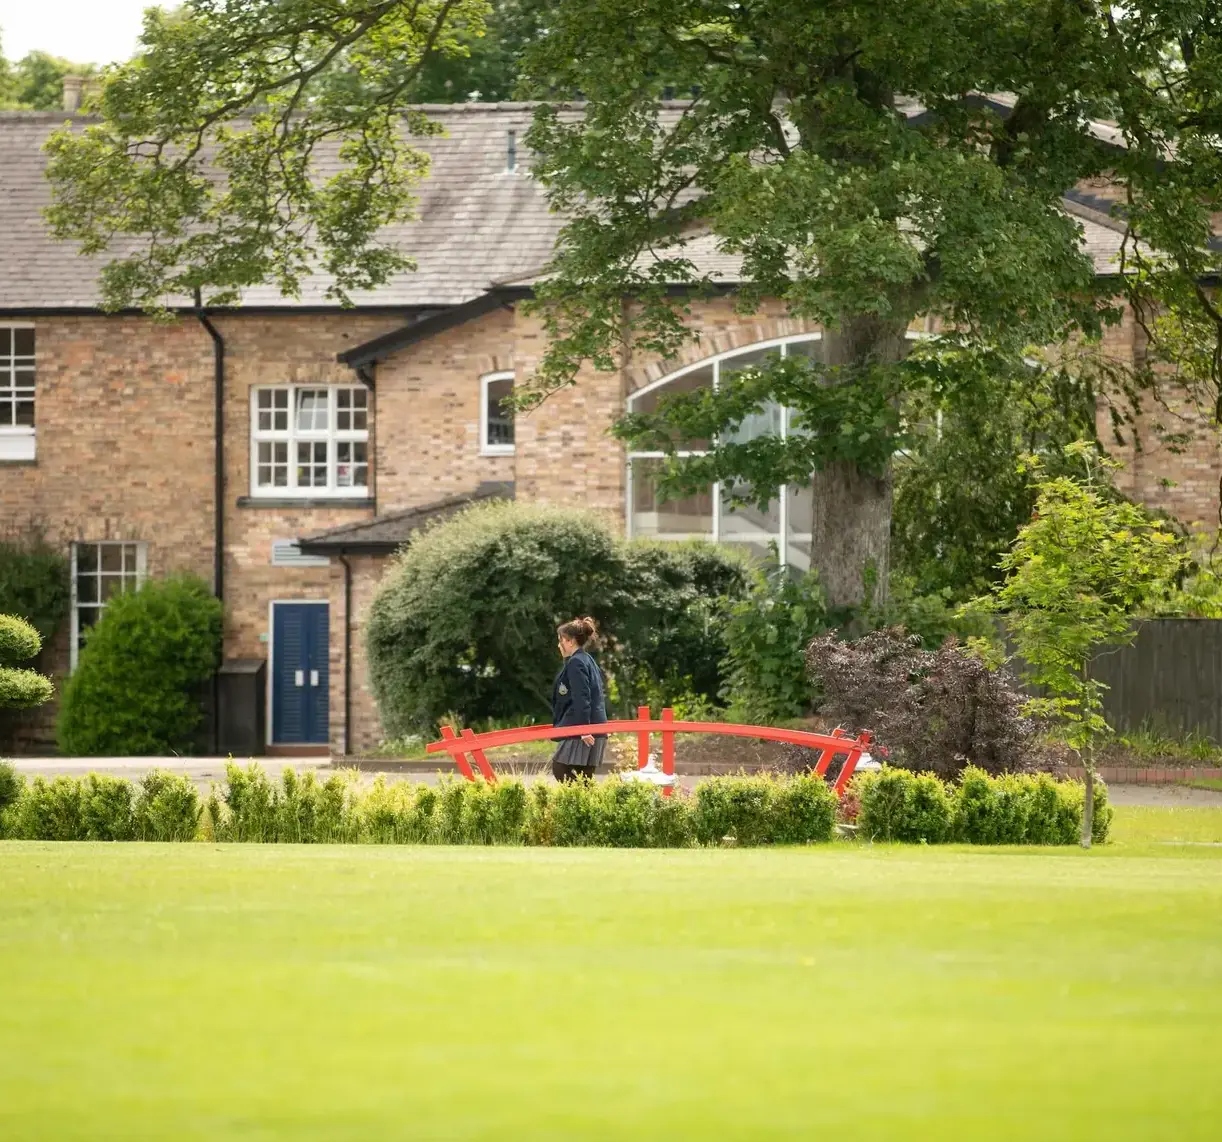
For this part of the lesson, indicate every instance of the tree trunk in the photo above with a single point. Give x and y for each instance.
(851, 542)
(1088, 807)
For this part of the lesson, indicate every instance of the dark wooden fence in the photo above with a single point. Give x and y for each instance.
(1169, 679)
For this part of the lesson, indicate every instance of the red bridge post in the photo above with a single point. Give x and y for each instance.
(480, 760)
(668, 749)
(460, 758)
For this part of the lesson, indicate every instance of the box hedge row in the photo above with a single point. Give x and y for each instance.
(747, 811)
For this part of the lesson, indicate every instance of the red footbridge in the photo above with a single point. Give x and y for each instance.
(469, 747)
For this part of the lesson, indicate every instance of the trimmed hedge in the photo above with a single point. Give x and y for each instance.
(162, 807)
(1013, 809)
(300, 809)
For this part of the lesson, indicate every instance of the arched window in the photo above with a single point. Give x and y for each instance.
(788, 520)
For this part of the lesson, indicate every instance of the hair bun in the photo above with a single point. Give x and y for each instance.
(590, 626)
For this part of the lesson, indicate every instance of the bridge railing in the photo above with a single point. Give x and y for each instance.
(467, 747)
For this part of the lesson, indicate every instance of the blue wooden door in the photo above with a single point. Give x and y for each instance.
(299, 673)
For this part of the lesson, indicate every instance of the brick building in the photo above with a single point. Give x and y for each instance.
(284, 448)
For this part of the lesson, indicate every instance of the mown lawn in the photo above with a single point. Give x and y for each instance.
(194, 992)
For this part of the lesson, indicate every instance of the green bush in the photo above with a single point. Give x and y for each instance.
(465, 619)
(20, 689)
(574, 812)
(895, 805)
(50, 811)
(674, 825)
(107, 809)
(669, 628)
(301, 810)
(34, 583)
(766, 635)
(11, 784)
(626, 813)
(763, 810)
(976, 808)
(167, 808)
(804, 811)
(883, 797)
(135, 687)
(1012, 809)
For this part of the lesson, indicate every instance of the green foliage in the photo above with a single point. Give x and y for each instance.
(11, 785)
(164, 807)
(898, 805)
(1077, 576)
(464, 622)
(20, 689)
(747, 811)
(300, 810)
(268, 87)
(960, 498)
(107, 810)
(671, 620)
(34, 583)
(766, 638)
(858, 219)
(764, 810)
(36, 83)
(167, 807)
(18, 639)
(488, 71)
(135, 687)
(1011, 809)
(49, 811)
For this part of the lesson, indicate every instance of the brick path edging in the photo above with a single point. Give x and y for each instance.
(1133, 775)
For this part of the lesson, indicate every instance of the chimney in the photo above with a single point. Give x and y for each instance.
(73, 86)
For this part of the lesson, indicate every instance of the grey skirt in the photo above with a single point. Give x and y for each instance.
(575, 752)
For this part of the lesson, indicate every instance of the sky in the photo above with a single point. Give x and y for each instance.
(84, 31)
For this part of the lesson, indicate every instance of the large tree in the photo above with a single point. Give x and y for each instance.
(845, 152)
(207, 155)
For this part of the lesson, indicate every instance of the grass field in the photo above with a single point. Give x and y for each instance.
(191, 992)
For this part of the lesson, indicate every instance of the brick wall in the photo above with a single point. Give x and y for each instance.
(366, 731)
(428, 413)
(125, 451)
(125, 411)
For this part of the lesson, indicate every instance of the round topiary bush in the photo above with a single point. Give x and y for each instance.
(20, 688)
(465, 619)
(136, 684)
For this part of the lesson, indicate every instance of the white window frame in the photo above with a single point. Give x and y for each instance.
(782, 538)
(141, 577)
(485, 447)
(291, 437)
(20, 442)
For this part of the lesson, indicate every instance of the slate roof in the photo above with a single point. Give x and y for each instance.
(387, 533)
(479, 224)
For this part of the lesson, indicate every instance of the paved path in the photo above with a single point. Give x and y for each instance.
(205, 770)
(201, 770)
(1166, 795)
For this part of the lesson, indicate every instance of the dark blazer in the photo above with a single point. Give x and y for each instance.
(577, 693)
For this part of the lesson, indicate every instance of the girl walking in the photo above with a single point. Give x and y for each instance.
(577, 700)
